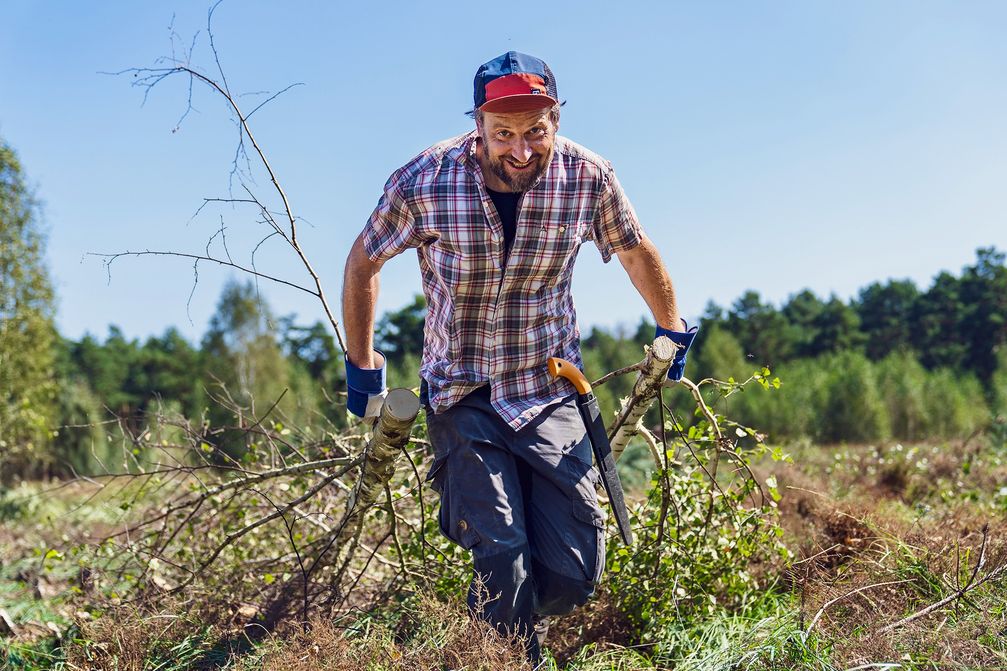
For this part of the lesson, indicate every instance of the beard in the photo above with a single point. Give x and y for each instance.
(518, 181)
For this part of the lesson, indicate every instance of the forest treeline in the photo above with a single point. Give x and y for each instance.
(894, 362)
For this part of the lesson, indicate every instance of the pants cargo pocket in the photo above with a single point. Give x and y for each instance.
(451, 517)
(464, 533)
(455, 524)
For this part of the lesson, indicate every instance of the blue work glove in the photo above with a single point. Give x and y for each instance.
(365, 388)
(684, 340)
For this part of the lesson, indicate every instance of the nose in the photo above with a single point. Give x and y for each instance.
(521, 152)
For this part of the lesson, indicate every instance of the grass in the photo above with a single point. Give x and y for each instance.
(856, 518)
(914, 516)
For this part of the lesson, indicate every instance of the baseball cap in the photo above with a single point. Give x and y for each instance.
(514, 82)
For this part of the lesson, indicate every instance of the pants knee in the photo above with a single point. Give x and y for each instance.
(502, 591)
(557, 594)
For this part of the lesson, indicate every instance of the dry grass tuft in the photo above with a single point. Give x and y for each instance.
(431, 636)
(435, 636)
(943, 644)
(824, 535)
(128, 639)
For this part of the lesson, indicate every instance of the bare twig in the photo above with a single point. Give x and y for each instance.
(973, 583)
(108, 259)
(821, 611)
(148, 78)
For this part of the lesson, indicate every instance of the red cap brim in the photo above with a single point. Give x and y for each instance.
(524, 102)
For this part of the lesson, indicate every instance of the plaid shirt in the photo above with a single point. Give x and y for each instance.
(489, 318)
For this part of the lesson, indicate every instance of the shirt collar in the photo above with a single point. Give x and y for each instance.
(466, 153)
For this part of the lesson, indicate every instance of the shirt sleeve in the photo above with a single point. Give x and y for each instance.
(391, 228)
(615, 226)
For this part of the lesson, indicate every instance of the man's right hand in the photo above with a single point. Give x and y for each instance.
(365, 369)
(365, 385)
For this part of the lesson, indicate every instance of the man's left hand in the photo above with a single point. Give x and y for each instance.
(684, 340)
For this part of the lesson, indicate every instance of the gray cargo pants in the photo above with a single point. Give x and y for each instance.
(525, 504)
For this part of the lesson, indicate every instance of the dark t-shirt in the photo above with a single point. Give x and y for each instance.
(506, 204)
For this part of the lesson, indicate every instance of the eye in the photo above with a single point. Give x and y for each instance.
(503, 134)
(537, 131)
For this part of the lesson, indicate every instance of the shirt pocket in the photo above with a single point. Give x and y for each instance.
(555, 248)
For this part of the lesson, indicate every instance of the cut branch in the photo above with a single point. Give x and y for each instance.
(653, 371)
(388, 441)
(391, 434)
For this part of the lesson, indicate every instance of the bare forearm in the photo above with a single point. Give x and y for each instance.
(646, 270)
(360, 297)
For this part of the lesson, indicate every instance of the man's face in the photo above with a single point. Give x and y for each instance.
(516, 148)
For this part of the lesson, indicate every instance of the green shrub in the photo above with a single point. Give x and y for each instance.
(792, 413)
(853, 411)
(998, 385)
(956, 405)
(696, 540)
(721, 357)
(79, 443)
(902, 383)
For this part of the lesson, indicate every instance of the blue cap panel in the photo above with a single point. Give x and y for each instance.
(512, 62)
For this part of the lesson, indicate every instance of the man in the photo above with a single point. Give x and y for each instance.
(497, 216)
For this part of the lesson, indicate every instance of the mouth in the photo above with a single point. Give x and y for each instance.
(520, 166)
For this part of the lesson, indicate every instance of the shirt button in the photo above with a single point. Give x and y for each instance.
(562, 228)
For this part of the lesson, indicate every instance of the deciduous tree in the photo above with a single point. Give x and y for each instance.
(27, 333)
(248, 371)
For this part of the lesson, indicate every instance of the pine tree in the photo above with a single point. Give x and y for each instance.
(984, 293)
(885, 312)
(763, 331)
(804, 312)
(937, 317)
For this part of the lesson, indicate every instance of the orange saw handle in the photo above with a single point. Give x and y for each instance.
(563, 368)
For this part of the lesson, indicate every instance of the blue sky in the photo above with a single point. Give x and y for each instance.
(765, 145)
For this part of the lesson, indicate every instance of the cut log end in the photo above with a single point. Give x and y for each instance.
(401, 405)
(663, 348)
